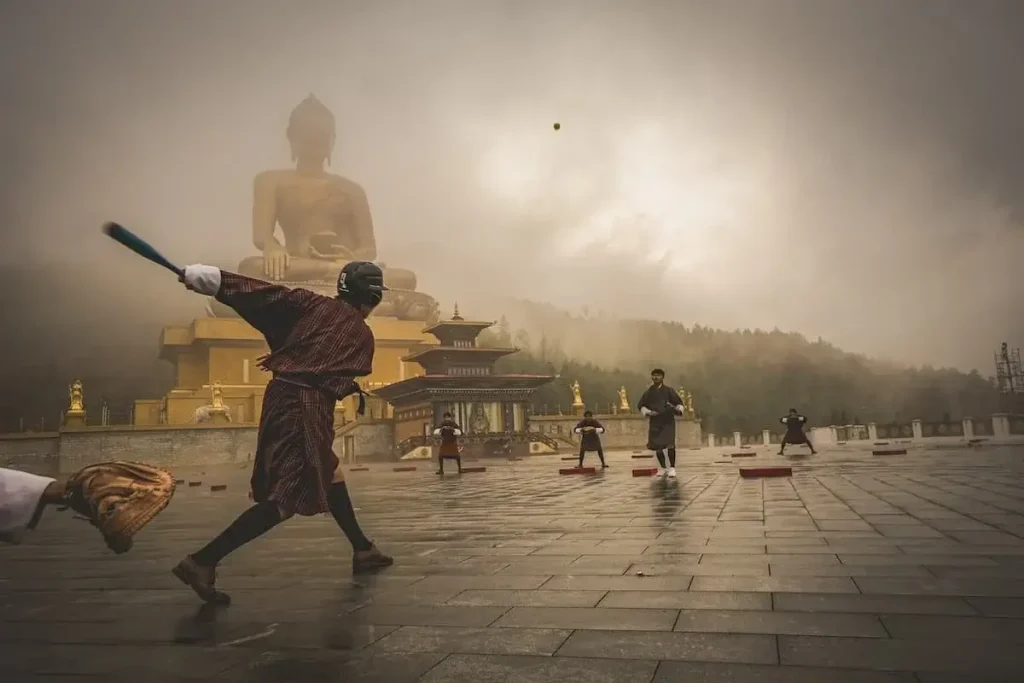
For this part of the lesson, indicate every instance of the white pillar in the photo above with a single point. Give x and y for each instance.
(916, 426)
(766, 437)
(1000, 425)
(245, 371)
(711, 440)
(832, 434)
(872, 431)
(737, 439)
(968, 428)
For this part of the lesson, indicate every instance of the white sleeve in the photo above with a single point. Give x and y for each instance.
(203, 279)
(680, 408)
(600, 430)
(646, 412)
(20, 494)
(458, 432)
(577, 430)
(437, 431)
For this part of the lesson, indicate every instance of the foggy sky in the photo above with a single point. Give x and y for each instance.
(849, 169)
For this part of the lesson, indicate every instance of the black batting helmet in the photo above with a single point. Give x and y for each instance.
(361, 283)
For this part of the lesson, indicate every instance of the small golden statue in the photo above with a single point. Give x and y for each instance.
(577, 398)
(623, 400)
(687, 398)
(76, 404)
(217, 392)
(74, 416)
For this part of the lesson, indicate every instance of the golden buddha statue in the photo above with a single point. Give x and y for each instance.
(324, 222)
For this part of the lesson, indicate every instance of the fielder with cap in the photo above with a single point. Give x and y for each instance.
(318, 346)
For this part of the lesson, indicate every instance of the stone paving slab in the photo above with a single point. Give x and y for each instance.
(907, 569)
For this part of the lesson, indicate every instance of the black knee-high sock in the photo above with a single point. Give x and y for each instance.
(671, 457)
(600, 454)
(660, 455)
(251, 524)
(582, 454)
(345, 516)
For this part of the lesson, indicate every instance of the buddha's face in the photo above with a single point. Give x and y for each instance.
(311, 134)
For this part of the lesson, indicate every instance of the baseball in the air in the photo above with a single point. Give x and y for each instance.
(557, 126)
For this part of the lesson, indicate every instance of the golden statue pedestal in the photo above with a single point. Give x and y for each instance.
(225, 351)
(74, 419)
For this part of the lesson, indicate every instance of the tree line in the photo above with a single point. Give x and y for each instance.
(740, 380)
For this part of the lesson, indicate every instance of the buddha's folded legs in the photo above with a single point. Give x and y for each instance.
(302, 270)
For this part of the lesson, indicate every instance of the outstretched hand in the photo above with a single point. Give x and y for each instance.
(201, 279)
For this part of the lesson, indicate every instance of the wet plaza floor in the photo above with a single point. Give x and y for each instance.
(857, 569)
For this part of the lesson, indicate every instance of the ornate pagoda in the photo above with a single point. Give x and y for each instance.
(459, 378)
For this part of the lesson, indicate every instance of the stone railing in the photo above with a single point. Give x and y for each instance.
(495, 443)
(998, 427)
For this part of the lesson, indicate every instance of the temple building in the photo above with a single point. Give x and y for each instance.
(457, 375)
(216, 350)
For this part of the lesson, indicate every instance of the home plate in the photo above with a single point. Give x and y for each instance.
(645, 472)
(755, 472)
(578, 470)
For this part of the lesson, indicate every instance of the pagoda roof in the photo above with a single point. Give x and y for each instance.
(478, 325)
(459, 383)
(493, 353)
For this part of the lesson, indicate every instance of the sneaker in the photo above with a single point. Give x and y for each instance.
(661, 472)
(671, 472)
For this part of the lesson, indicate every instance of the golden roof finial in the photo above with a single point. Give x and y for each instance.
(455, 315)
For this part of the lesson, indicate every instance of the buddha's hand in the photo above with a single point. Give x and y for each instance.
(275, 262)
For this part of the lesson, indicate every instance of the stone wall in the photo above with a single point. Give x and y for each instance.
(621, 431)
(366, 441)
(31, 452)
(170, 447)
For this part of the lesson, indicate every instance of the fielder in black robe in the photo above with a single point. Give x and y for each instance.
(795, 431)
(660, 404)
(590, 431)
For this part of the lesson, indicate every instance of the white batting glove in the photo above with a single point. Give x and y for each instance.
(646, 412)
(202, 279)
(680, 409)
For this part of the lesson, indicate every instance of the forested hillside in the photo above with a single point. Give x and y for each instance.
(741, 380)
(104, 326)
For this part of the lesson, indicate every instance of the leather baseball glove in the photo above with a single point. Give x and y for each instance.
(119, 498)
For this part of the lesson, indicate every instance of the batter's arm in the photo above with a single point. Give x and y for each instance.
(271, 309)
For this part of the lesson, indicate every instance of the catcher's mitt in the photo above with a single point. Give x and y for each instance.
(119, 498)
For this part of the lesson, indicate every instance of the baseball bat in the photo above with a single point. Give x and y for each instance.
(121, 234)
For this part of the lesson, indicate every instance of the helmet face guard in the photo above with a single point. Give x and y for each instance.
(361, 283)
